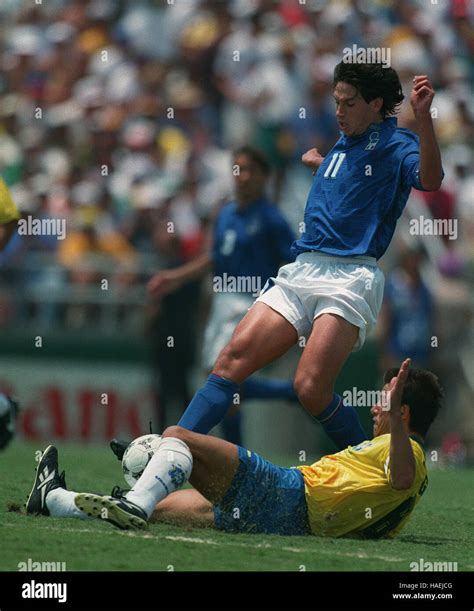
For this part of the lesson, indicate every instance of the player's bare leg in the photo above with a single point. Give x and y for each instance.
(262, 336)
(330, 343)
(186, 508)
(215, 462)
(207, 462)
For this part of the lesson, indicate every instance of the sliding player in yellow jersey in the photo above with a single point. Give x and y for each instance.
(368, 490)
(9, 215)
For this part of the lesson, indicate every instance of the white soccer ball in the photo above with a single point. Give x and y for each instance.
(137, 456)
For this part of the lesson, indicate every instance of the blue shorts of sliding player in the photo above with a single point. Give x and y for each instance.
(263, 498)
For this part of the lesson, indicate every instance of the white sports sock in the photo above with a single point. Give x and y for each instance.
(168, 469)
(60, 504)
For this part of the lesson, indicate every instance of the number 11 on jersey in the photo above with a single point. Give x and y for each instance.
(334, 165)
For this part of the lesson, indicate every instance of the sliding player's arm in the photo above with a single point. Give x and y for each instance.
(431, 171)
(402, 459)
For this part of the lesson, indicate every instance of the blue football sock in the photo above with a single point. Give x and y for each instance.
(267, 388)
(209, 405)
(342, 424)
(232, 428)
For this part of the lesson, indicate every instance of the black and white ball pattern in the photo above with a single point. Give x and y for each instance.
(137, 456)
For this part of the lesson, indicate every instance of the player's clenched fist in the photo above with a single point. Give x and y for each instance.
(312, 159)
(422, 95)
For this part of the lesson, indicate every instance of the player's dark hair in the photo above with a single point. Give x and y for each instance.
(255, 155)
(372, 81)
(423, 394)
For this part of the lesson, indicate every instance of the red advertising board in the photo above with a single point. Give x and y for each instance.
(77, 401)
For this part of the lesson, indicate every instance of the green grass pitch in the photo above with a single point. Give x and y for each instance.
(441, 529)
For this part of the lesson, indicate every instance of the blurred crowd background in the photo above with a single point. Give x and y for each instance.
(120, 116)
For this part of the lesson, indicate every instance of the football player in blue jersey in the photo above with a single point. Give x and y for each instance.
(333, 292)
(250, 240)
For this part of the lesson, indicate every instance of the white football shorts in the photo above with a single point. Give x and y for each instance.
(227, 310)
(317, 284)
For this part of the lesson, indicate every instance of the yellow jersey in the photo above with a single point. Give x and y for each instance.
(8, 210)
(350, 492)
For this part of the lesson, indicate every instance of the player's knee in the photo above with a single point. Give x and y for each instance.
(186, 445)
(178, 432)
(232, 358)
(305, 390)
(313, 395)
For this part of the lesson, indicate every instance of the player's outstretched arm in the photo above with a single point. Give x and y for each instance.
(402, 459)
(431, 171)
(170, 280)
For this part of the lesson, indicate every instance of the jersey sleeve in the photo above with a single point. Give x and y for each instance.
(411, 171)
(419, 462)
(8, 211)
(384, 458)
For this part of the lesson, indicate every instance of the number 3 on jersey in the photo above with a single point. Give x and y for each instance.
(228, 243)
(334, 165)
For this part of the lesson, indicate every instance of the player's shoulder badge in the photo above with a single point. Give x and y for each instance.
(374, 137)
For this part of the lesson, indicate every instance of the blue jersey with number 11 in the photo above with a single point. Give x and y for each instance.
(359, 192)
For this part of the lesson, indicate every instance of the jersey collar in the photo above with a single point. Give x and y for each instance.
(389, 123)
(252, 206)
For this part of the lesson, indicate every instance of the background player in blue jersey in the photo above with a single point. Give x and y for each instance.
(250, 240)
(333, 292)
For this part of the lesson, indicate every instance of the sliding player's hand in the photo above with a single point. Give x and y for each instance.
(312, 159)
(422, 95)
(395, 389)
